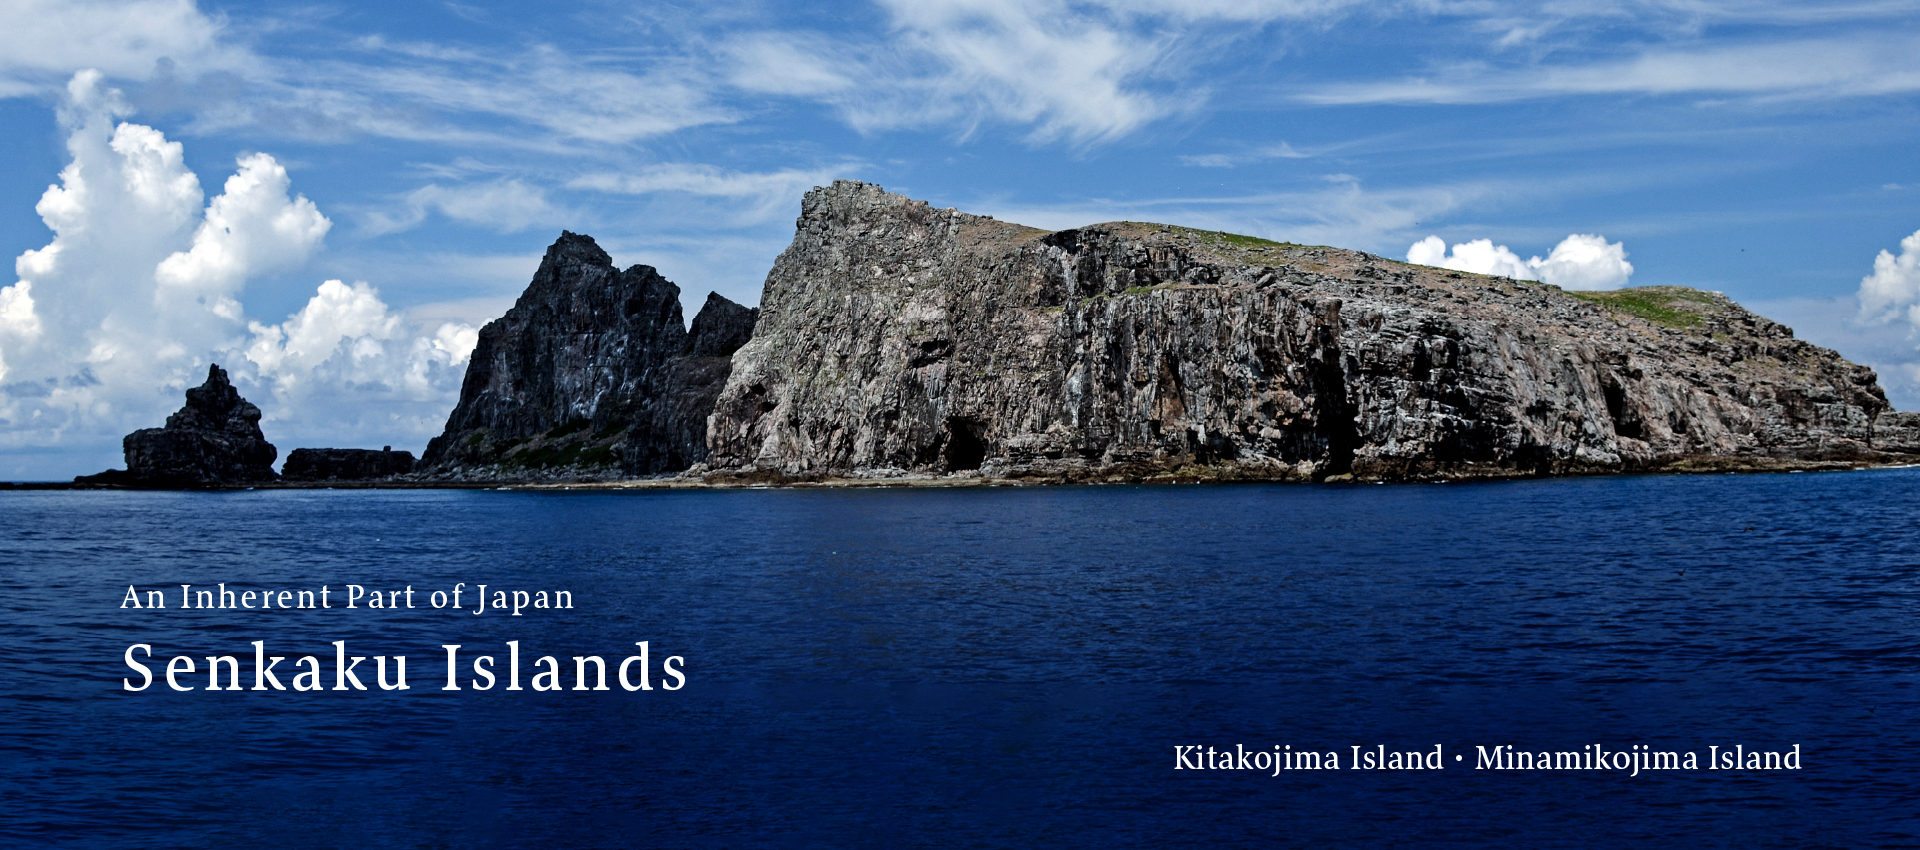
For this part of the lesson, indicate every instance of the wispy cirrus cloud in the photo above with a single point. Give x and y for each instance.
(1339, 212)
(1797, 69)
(505, 206)
(1082, 73)
(764, 194)
(1230, 160)
(1068, 76)
(538, 98)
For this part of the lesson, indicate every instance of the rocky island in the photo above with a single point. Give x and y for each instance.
(592, 375)
(346, 464)
(213, 441)
(900, 343)
(896, 341)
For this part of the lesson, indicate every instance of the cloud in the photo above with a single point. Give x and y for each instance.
(1878, 325)
(252, 227)
(1222, 160)
(786, 64)
(1859, 66)
(768, 194)
(1067, 72)
(1242, 11)
(44, 42)
(506, 206)
(1840, 324)
(347, 365)
(1585, 261)
(1342, 212)
(1893, 289)
(141, 287)
(569, 94)
(84, 320)
(1580, 261)
(1479, 256)
(526, 98)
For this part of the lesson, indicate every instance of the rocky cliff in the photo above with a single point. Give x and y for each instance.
(592, 373)
(896, 338)
(214, 440)
(345, 464)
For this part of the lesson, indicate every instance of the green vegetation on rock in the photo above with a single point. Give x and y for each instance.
(1236, 239)
(1672, 306)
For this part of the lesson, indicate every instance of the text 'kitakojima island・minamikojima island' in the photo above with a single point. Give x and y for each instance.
(897, 342)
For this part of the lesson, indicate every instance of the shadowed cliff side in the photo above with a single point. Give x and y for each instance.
(212, 441)
(591, 374)
(346, 464)
(896, 338)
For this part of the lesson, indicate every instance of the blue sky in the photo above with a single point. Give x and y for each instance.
(424, 154)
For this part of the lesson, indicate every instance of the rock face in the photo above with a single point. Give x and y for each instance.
(214, 440)
(1897, 432)
(898, 338)
(345, 464)
(593, 373)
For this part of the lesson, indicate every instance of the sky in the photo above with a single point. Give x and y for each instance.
(329, 198)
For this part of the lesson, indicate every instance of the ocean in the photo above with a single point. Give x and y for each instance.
(973, 667)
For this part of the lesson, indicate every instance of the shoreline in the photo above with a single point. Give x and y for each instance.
(764, 480)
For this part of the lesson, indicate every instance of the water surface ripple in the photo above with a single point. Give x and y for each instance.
(982, 668)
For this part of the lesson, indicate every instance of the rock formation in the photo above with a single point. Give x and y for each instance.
(1897, 432)
(592, 373)
(345, 464)
(896, 338)
(214, 440)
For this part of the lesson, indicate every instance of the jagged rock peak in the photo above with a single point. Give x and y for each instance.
(588, 375)
(570, 256)
(217, 406)
(214, 440)
(720, 328)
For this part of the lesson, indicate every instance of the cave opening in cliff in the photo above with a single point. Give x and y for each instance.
(1625, 422)
(964, 450)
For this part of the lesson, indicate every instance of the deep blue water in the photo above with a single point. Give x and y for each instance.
(980, 668)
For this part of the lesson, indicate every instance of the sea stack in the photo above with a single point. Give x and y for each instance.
(900, 339)
(213, 441)
(592, 374)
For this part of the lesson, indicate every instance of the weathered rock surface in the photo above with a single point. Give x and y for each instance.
(214, 440)
(1897, 432)
(591, 374)
(896, 338)
(345, 464)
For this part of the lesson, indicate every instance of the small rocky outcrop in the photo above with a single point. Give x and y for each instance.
(592, 374)
(345, 464)
(213, 441)
(900, 339)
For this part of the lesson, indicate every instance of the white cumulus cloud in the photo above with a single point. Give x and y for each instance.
(1585, 261)
(86, 337)
(1479, 256)
(253, 227)
(1893, 290)
(346, 364)
(1580, 261)
(141, 287)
